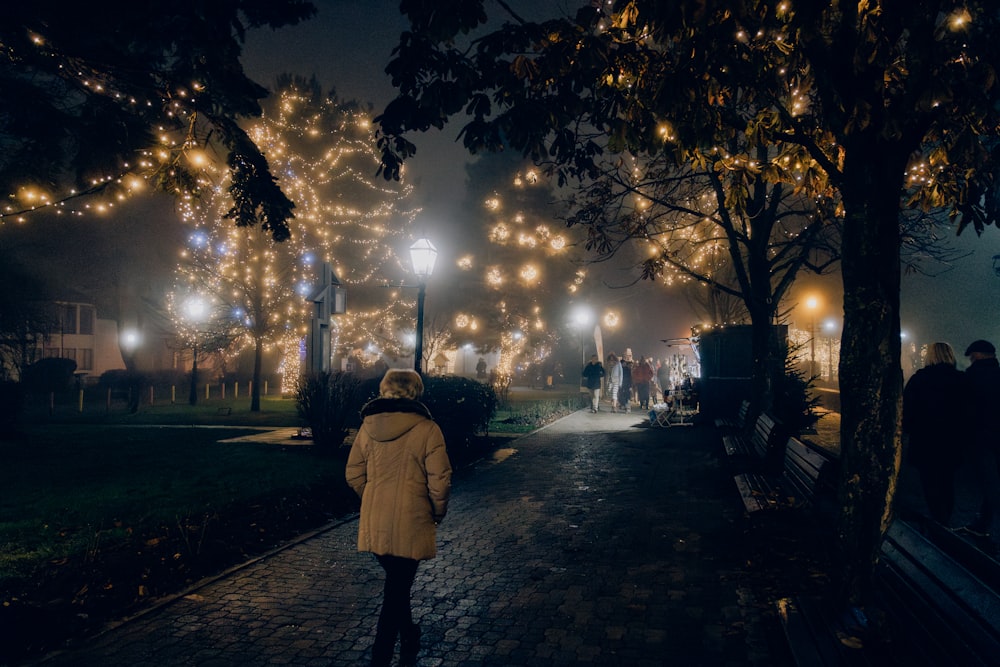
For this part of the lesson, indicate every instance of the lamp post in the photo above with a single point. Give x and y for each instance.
(812, 303)
(194, 310)
(423, 254)
(582, 316)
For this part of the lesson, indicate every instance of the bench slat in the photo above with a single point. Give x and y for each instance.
(957, 617)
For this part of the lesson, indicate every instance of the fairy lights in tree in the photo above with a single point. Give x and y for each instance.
(526, 269)
(322, 151)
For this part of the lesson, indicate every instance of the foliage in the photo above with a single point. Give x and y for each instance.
(794, 404)
(104, 101)
(887, 105)
(461, 406)
(25, 321)
(11, 406)
(329, 403)
(520, 257)
(323, 148)
(49, 375)
(524, 417)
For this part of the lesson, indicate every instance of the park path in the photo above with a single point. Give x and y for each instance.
(594, 541)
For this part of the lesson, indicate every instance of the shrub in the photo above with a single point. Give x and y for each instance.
(11, 405)
(49, 375)
(793, 404)
(329, 404)
(462, 407)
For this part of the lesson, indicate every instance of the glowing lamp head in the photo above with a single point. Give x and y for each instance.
(195, 308)
(423, 254)
(130, 339)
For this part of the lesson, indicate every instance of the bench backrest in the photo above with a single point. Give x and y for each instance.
(804, 466)
(927, 588)
(763, 433)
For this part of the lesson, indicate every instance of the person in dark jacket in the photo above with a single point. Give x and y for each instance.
(399, 467)
(593, 378)
(625, 389)
(935, 404)
(984, 380)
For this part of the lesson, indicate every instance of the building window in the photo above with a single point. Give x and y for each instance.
(86, 360)
(87, 317)
(52, 353)
(69, 353)
(67, 318)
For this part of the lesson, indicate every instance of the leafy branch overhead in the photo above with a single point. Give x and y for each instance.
(871, 112)
(679, 81)
(145, 95)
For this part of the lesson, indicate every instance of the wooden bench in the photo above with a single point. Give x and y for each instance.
(820, 635)
(754, 445)
(807, 472)
(739, 422)
(937, 607)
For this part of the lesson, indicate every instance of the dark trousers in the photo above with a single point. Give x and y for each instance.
(939, 490)
(395, 616)
(642, 390)
(987, 467)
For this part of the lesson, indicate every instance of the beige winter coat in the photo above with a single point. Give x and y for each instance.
(399, 467)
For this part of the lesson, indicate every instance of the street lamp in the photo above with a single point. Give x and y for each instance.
(194, 311)
(830, 326)
(812, 303)
(582, 316)
(423, 254)
(130, 341)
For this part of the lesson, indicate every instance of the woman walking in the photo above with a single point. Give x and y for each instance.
(614, 371)
(399, 467)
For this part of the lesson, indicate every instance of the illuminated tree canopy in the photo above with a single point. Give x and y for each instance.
(522, 257)
(114, 99)
(892, 105)
(324, 155)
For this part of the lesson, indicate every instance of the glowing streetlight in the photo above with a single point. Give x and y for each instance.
(812, 303)
(195, 310)
(423, 254)
(830, 327)
(130, 341)
(581, 318)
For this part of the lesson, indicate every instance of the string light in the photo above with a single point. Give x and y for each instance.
(322, 153)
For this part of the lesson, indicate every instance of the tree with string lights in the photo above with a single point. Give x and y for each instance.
(143, 96)
(323, 152)
(731, 230)
(895, 105)
(524, 259)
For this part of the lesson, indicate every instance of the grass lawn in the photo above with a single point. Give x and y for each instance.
(71, 490)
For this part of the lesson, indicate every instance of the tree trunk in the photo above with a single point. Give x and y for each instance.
(870, 373)
(258, 360)
(764, 344)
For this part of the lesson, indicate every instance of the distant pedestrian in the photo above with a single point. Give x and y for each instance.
(399, 467)
(625, 391)
(593, 378)
(984, 380)
(935, 417)
(663, 379)
(642, 376)
(614, 371)
(481, 369)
